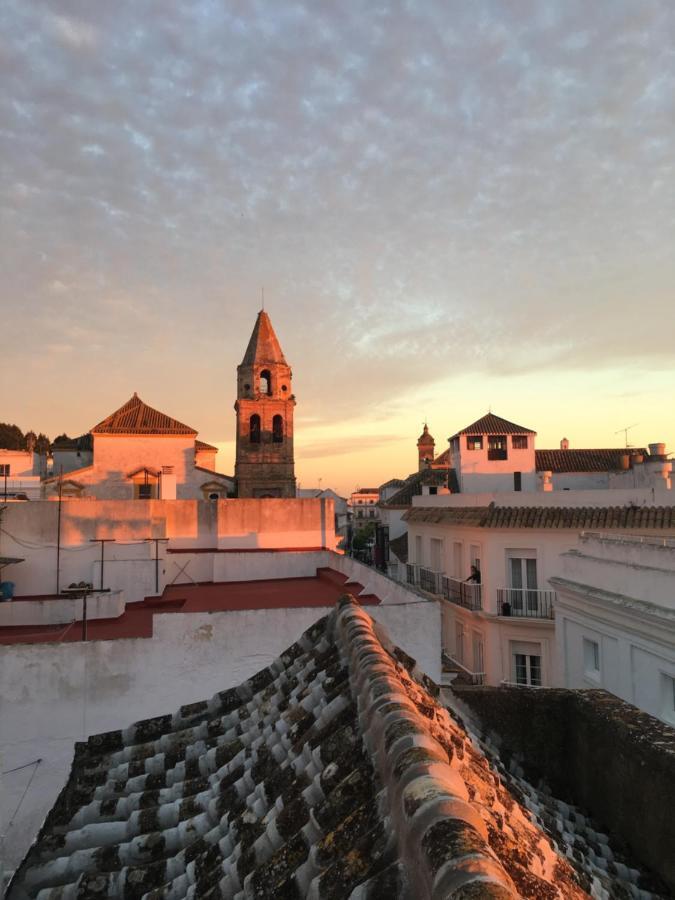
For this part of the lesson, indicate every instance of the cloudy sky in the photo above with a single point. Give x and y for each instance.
(451, 206)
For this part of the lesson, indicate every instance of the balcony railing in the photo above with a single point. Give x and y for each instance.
(430, 581)
(496, 454)
(462, 593)
(525, 602)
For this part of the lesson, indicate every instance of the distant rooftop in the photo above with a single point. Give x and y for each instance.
(136, 417)
(492, 424)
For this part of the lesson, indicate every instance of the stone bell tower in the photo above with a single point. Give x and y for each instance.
(425, 449)
(264, 464)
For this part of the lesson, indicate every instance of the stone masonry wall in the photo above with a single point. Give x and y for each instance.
(596, 751)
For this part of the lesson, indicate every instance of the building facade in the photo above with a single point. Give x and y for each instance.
(140, 453)
(264, 464)
(615, 618)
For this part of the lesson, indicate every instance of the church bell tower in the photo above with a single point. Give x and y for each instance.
(264, 464)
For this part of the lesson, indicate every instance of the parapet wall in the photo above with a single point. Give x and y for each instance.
(597, 751)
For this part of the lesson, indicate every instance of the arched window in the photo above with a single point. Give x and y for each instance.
(277, 429)
(265, 382)
(254, 429)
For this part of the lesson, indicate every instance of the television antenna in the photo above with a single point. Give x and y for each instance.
(624, 432)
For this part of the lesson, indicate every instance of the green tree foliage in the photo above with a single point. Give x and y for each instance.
(11, 437)
(363, 536)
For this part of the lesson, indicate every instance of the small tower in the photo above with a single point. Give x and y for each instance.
(264, 464)
(425, 448)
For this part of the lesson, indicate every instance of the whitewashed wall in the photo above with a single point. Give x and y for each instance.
(56, 694)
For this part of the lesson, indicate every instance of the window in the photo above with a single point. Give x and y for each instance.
(433, 491)
(4, 469)
(436, 555)
(527, 669)
(474, 442)
(254, 429)
(265, 382)
(145, 491)
(277, 429)
(522, 574)
(517, 481)
(459, 642)
(497, 446)
(478, 652)
(519, 442)
(668, 698)
(214, 495)
(457, 567)
(592, 659)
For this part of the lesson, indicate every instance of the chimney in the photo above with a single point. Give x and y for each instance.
(564, 444)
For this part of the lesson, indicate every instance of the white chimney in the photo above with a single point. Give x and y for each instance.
(564, 444)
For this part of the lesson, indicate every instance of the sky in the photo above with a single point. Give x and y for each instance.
(451, 207)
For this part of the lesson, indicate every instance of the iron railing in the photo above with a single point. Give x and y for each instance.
(462, 593)
(525, 602)
(430, 581)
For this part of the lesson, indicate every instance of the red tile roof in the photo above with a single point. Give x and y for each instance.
(578, 518)
(136, 417)
(202, 445)
(583, 460)
(491, 424)
(136, 621)
(442, 459)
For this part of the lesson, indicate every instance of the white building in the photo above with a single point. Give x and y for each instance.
(503, 629)
(141, 453)
(615, 618)
(362, 505)
(493, 454)
(20, 474)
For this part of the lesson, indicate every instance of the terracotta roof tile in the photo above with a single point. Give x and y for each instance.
(136, 417)
(335, 768)
(607, 460)
(590, 518)
(491, 424)
(202, 445)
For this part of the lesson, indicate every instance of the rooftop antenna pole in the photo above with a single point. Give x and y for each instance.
(624, 432)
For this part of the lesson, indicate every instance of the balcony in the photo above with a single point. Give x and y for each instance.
(525, 602)
(462, 593)
(496, 453)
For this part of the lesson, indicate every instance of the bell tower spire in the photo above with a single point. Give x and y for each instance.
(264, 464)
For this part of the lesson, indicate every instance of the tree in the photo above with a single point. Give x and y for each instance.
(363, 536)
(42, 444)
(11, 437)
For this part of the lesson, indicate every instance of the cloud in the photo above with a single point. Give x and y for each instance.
(72, 32)
(423, 191)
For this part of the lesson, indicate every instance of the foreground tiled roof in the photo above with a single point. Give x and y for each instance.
(202, 445)
(491, 424)
(333, 773)
(582, 460)
(598, 519)
(136, 417)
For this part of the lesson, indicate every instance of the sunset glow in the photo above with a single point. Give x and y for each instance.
(450, 209)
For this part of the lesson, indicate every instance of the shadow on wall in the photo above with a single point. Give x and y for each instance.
(594, 750)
